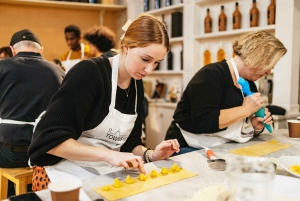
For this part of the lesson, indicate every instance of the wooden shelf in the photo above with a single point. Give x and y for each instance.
(167, 9)
(233, 32)
(176, 40)
(166, 72)
(67, 5)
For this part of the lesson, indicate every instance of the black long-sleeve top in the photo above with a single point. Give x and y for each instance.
(27, 83)
(209, 91)
(81, 104)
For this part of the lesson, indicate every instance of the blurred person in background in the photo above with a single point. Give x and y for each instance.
(5, 52)
(78, 51)
(101, 41)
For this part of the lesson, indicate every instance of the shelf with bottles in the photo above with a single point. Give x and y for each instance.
(244, 7)
(166, 72)
(67, 5)
(164, 9)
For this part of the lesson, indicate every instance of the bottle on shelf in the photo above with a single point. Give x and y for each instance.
(222, 20)
(271, 12)
(146, 5)
(170, 60)
(236, 17)
(168, 2)
(208, 23)
(221, 52)
(206, 56)
(254, 15)
(157, 4)
(181, 58)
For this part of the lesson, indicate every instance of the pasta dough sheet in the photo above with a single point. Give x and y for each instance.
(140, 186)
(260, 149)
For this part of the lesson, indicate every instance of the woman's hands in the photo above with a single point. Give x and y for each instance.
(164, 150)
(127, 160)
(253, 103)
(257, 121)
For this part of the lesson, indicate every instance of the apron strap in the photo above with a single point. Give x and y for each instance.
(9, 121)
(82, 50)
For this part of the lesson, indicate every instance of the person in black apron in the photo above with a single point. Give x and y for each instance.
(27, 83)
(213, 109)
(95, 120)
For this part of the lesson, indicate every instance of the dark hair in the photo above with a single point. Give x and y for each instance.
(6, 51)
(73, 28)
(101, 37)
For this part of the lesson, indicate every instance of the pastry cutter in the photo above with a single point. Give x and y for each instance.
(214, 163)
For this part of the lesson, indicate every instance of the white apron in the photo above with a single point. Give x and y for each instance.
(240, 131)
(10, 121)
(111, 133)
(68, 63)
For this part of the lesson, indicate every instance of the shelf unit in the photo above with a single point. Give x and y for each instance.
(175, 76)
(68, 5)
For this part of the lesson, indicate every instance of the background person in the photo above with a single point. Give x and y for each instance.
(101, 41)
(5, 52)
(78, 50)
(95, 119)
(213, 103)
(27, 83)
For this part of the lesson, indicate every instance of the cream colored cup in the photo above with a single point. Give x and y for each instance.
(294, 128)
(67, 189)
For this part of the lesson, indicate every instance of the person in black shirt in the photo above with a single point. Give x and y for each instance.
(95, 119)
(27, 83)
(213, 109)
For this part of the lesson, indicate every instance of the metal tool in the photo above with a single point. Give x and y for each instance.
(214, 163)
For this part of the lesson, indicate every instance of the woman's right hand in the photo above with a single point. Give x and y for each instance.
(126, 160)
(253, 103)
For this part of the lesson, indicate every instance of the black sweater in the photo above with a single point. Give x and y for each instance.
(27, 83)
(209, 91)
(81, 104)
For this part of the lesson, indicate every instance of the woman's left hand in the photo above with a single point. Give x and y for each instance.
(164, 150)
(257, 121)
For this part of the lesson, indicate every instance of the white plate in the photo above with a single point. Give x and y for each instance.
(287, 161)
(286, 188)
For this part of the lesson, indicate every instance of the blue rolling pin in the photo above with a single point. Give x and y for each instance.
(261, 112)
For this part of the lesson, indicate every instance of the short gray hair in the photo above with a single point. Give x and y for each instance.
(19, 46)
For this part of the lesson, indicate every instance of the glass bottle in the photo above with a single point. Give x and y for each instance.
(146, 5)
(221, 52)
(271, 12)
(208, 23)
(222, 20)
(206, 56)
(170, 60)
(236, 17)
(168, 2)
(254, 15)
(157, 4)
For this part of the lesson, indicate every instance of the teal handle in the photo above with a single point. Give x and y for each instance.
(261, 113)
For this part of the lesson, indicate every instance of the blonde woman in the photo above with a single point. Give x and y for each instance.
(95, 119)
(213, 110)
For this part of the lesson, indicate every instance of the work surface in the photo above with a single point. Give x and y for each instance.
(195, 162)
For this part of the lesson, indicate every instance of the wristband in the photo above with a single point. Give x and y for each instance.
(146, 155)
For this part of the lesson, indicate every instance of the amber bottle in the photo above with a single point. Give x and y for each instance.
(236, 17)
(208, 23)
(222, 20)
(206, 57)
(254, 15)
(271, 12)
(221, 53)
